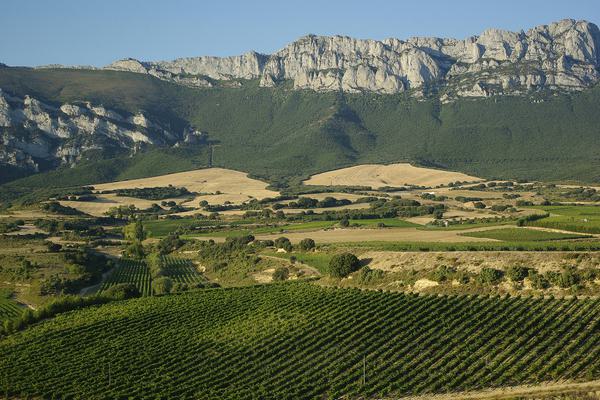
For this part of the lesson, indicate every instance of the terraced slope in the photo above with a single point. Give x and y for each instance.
(291, 341)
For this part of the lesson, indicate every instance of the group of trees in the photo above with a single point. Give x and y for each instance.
(154, 193)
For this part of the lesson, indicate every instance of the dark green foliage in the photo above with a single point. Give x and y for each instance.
(490, 276)
(342, 265)
(443, 274)
(162, 285)
(283, 243)
(517, 273)
(281, 274)
(122, 291)
(55, 207)
(169, 244)
(307, 244)
(153, 193)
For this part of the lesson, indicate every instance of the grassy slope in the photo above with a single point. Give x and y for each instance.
(278, 133)
(297, 341)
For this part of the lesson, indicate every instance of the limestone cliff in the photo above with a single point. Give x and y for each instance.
(564, 55)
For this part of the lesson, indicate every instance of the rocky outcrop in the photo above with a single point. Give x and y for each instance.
(35, 133)
(561, 56)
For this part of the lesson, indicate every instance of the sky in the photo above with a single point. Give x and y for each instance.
(87, 32)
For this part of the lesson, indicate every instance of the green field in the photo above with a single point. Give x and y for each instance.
(318, 260)
(293, 341)
(585, 219)
(523, 235)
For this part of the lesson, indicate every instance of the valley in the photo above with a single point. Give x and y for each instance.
(338, 218)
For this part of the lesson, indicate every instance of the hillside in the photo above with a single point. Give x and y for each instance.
(283, 135)
(250, 343)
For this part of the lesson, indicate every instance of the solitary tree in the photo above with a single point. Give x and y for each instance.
(342, 265)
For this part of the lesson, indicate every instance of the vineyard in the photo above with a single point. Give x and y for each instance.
(8, 309)
(138, 273)
(297, 340)
(130, 271)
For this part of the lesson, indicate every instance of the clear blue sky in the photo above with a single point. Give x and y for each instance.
(36, 32)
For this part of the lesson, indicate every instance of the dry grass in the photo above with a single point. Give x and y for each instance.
(377, 176)
(234, 186)
(475, 261)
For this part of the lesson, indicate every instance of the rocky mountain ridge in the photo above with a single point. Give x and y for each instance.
(34, 134)
(564, 56)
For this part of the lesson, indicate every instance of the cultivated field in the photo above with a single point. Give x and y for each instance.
(377, 176)
(217, 186)
(296, 340)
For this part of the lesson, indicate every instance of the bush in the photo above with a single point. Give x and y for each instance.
(344, 222)
(283, 243)
(342, 265)
(162, 285)
(307, 244)
(122, 291)
(281, 274)
(517, 273)
(479, 205)
(490, 276)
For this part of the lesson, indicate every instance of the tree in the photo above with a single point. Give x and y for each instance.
(203, 203)
(342, 265)
(438, 214)
(134, 231)
(283, 243)
(54, 247)
(307, 244)
(162, 285)
(122, 291)
(135, 250)
(344, 222)
(169, 244)
(479, 204)
(281, 274)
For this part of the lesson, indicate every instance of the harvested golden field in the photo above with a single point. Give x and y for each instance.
(377, 176)
(233, 186)
(209, 180)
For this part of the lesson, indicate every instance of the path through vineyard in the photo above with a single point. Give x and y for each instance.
(511, 392)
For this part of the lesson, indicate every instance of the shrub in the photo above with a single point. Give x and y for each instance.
(342, 265)
(307, 244)
(281, 274)
(479, 204)
(283, 243)
(344, 222)
(162, 285)
(122, 291)
(517, 273)
(490, 276)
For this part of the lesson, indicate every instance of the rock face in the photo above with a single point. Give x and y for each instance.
(34, 134)
(561, 56)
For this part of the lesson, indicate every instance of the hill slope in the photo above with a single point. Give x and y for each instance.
(279, 134)
(293, 341)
